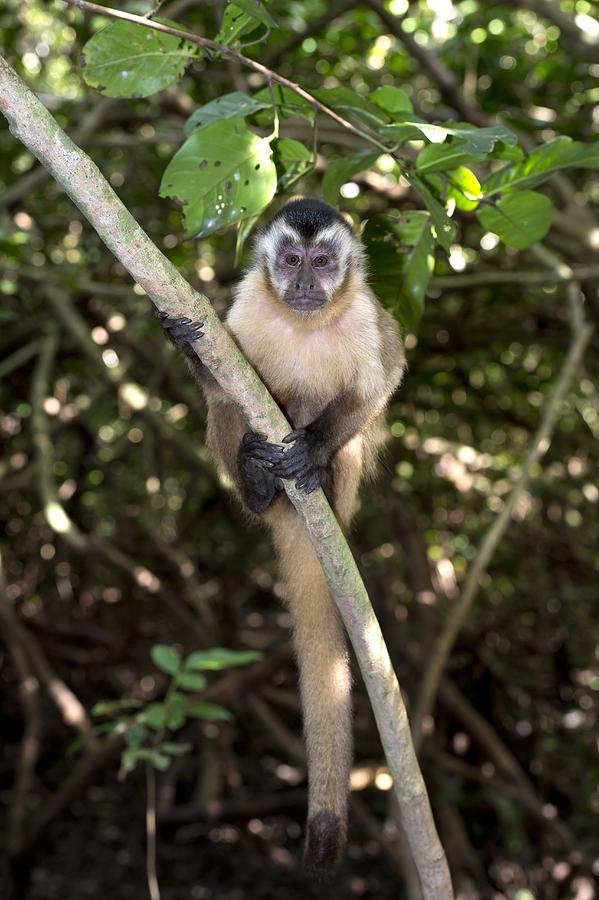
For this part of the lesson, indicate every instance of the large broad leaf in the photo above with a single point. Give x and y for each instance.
(340, 170)
(391, 99)
(445, 229)
(443, 157)
(542, 163)
(400, 254)
(520, 218)
(223, 174)
(478, 142)
(352, 106)
(229, 106)
(128, 60)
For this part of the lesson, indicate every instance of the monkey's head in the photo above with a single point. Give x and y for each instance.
(307, 252)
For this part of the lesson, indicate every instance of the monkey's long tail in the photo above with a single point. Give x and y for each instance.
(325, 687)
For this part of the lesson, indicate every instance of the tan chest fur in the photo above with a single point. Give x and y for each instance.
(312, 359)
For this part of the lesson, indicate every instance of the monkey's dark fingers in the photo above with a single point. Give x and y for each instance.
(294, 467)
(251, 437)
(256, 446)
(309, 483)
(295, 436)
(187, 333)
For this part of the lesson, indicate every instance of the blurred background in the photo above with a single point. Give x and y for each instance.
(117, 536)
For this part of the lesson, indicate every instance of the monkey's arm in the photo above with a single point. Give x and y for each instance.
(247, 457)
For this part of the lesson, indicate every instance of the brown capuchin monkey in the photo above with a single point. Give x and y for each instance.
(331, 357)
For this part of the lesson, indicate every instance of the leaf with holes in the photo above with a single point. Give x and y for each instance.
(341, 170)
(222, 174)
(128, 60)
(400, 254)
(229, 106)
(520, 218)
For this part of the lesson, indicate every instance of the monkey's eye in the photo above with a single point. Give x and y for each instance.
(292, 260)
(320, 261)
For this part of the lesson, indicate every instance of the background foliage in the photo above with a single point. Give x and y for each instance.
(100, 423)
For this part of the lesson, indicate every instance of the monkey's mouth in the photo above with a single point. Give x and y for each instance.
(306, 303)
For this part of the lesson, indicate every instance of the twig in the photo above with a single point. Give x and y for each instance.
(151, 874)
(32, 124)
(581, 334)
(561, 275)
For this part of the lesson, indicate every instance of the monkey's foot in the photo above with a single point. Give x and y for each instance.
(256, 462)
(180, 329)
(298, 462)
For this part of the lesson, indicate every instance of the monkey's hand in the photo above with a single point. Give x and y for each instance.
(256, 462)
(303, 461)
(180, 330)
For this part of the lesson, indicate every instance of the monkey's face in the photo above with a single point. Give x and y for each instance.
(306, 273)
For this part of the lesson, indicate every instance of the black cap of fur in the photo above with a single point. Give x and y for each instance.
(308, 217)
(324, 845)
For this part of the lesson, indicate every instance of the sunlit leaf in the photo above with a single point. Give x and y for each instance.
(128, 60)
(443, 157)
(520, 218)
(463, 188)
(223, 174)
(478, 142)
(229, 106)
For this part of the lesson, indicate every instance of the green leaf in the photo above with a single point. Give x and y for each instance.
(391, 99)
(243, 232)
(341, 170)
(159, 760)
(293, 161)
(128, 60)
(106, 707)
(166, 658)
(209, 711)
(223, 174)
(258, 11)
(136, 735)
(288, 102)
(220, 658)
(445, 229)
(478, 142)
(520, 218)
(174, 748)
(400, 254)
(155, 716)
(236, 24)
(352, 106)
(558, 154)
(190, 681)
(229, 106)
(443, 157)
(464, 188)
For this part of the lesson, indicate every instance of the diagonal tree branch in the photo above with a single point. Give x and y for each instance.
(33, 125)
